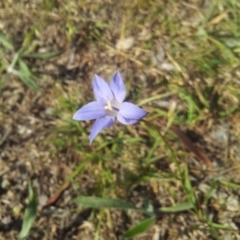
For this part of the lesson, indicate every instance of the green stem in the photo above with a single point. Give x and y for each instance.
(153, 126)
(183, 175)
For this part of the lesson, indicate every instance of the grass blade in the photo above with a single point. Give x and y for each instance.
(29, 214)
(229, 184)
(43, 55)
(98, 202)
(188, 186)
(141, 227)
(25, 75)
(177, 208)
(5, 42)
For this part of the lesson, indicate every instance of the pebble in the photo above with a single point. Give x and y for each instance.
(5, 184)
(232, 204)
(125, 44)
(6, 220)
(42, 199)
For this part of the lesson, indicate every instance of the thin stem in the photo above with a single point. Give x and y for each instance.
(186, 184)
(153, 126)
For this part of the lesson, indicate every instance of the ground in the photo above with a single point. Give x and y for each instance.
(179, 167)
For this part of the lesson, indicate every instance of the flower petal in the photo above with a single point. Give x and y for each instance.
(130, 113)
(100, 124)
(101, 89)
(117, 87)
(92, 110)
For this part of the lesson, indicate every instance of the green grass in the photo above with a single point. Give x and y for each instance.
(123, 157)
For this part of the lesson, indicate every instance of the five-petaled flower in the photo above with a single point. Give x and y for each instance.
(109, 105)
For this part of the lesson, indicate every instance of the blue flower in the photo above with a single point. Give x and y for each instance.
(108, 106)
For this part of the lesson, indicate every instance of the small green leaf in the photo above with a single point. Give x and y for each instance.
(226, 52)
(188, 186)
(141, 227)
(209, 192)
(192, 105)
(29, 214)
(177, 208)
(219, 226)
(25, 75)
(98, 202)
(229, 184)
(46, 55)
(28, 81)
(5, 42)
(24, 68)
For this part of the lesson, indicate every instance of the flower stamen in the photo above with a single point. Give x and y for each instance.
(108, 106)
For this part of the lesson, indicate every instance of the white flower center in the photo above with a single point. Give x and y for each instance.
(112, 107)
